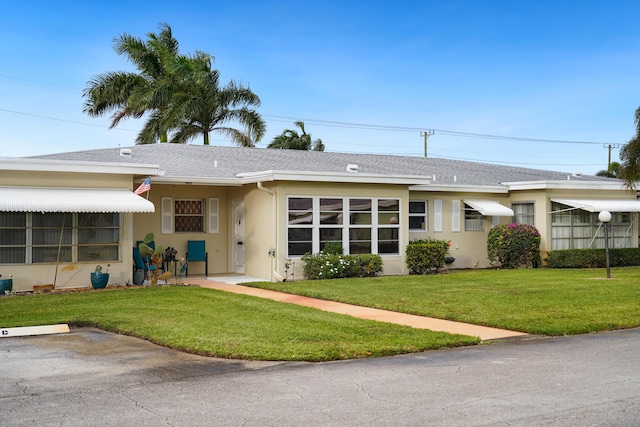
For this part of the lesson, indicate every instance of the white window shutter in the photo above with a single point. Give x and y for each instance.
(455, 215)
(167, 215)
(214, 215)
(437, 215)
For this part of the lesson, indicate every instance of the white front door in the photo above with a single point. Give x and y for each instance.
(238, 236)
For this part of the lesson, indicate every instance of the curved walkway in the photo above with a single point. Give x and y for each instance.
(483, 332)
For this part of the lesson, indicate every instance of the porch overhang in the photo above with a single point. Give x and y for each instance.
(84, 200)
(599, 205)
(489, 207)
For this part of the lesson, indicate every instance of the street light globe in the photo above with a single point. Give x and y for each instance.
(604, 216)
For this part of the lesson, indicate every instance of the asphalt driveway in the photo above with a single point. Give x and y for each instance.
(89, 377)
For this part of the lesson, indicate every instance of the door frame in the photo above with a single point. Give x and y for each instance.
(235, 241)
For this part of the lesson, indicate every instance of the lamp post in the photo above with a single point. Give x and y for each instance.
(605, 217)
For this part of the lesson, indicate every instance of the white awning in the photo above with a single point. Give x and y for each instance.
(489, 207)
(595, 205)
(87, 200)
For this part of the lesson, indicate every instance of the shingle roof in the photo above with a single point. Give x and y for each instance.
(198, 161)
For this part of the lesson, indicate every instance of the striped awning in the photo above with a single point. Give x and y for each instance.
(86, 200)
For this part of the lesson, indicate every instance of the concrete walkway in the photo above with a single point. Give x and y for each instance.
(483, 332)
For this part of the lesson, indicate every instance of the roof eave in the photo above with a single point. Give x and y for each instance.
(349, 177)
(498, 189)
(191, 180)
(565, 185)
(49, 165)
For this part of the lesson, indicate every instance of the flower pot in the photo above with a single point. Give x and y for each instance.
(6, 285)
(99, 280)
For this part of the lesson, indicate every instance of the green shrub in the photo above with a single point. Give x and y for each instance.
(335, 266)
(332, 248)
(593, 258)
(514, 246)
(426, 255)
(369, 265)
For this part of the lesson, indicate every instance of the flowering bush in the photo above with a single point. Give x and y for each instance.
(514, 246)
(335, 266)
(426, 255)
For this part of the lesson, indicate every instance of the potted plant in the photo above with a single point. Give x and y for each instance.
(6, 285)
(99, 279)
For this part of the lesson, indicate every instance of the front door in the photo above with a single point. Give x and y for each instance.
(238, 236)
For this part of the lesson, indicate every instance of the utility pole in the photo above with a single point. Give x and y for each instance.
(610, 147)
(426, 134)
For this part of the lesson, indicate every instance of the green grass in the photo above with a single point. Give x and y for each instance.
(537, 301)
(215, 323)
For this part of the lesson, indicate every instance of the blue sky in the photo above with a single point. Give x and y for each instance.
(365, 76)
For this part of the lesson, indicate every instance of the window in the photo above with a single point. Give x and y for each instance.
(300, 223)
(331, 215)
(98, 236)
(418, 215)
(578, 229)
(523, 213)
(360, 222)
(32, 238)
(13, 237)
(188, 215)
(373, 224)
(473, 220)
(388, 226)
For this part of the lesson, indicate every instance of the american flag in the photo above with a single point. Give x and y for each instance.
(144, 187)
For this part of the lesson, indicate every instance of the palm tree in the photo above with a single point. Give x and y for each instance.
(629, 170)
(201, 106)
(129, 94)
(611, 172)
(180, 94)
(291, 140)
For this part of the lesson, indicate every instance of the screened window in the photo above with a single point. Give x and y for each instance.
(473, 220)
(523, 213)
(388, 226)
(418, 215)
(98, 236)
(300, 225)
(32, 238)
(579, 229)
(360, 222)
(188, 215)
(372, 225)
(331, 215)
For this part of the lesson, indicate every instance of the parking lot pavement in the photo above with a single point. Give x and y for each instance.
(90, 377)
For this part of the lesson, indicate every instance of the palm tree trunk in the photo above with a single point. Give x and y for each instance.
(206, 138)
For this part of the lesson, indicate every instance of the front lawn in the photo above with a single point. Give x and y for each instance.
(537, 301)
(216, 323)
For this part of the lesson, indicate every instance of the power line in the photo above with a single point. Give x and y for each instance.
(365, 126)
(63, 120)
(330, 123)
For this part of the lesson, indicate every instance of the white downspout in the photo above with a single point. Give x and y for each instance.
(274, 204)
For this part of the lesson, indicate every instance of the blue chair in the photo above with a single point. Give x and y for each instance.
(196, 252)
(139, 264)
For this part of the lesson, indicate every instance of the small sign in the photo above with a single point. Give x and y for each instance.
(33, 330)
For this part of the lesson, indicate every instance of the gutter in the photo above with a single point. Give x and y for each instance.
(274, 254)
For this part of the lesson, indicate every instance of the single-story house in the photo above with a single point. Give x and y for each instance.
(259, 210)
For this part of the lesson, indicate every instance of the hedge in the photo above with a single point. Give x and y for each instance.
(592, 258)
